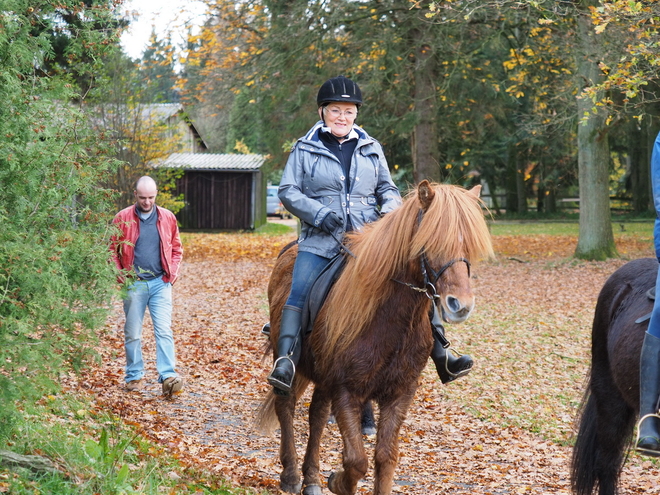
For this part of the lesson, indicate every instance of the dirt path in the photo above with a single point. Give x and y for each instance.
(450, 443)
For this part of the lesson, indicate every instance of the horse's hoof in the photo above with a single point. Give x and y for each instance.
(312, 490)
(331, 481)
(286, 487)
(369, 430)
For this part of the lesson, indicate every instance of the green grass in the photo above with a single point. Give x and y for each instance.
(273, 229)
(520, 227)
(94, 453)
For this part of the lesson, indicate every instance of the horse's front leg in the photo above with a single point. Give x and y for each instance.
(319, 410)
(392, 415)
(348, 413)
(290, 475)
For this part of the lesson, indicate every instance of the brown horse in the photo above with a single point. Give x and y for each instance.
(611, 402)
(372, 337)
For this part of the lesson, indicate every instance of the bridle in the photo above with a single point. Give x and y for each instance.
(429, 282)
(426, 268)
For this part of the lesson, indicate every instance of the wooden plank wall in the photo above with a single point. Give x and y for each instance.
(216, 200)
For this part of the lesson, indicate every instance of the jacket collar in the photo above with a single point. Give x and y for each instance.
(313, 134)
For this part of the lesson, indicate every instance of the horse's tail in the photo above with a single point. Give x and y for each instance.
(584, 459)
(266, 420)
(601, 445)
(605, 420)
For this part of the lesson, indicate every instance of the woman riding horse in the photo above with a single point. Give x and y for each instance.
(648, 429)
(336, 179)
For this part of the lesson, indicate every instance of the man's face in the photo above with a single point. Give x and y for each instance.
(146, 197)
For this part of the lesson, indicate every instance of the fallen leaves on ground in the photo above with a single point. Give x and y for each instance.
(503, 429)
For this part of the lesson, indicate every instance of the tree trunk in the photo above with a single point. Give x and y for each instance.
(596, 240)
(521, 193)
(641, 168)
(424, 142)
(639, 154)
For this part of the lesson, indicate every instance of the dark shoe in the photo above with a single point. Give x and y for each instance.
(449, 363)
(172, 385)
(648, 428)
(288, 351)
(281, 377)
(648, 439)
(133, 386)
(266, 329)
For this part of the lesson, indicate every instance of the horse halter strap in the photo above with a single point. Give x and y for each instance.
(429, 282)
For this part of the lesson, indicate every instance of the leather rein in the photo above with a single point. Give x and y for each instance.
(429, 281)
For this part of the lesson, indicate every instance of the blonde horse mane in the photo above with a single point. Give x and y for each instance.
(453, 226)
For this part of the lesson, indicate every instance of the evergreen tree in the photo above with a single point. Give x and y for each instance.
(54, 273)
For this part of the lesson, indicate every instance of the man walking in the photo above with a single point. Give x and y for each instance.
(148, 254)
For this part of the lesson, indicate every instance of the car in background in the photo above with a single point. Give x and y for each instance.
(274, 207)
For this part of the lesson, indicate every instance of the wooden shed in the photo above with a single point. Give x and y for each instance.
(222, 192)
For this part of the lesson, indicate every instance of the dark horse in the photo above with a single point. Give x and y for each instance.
(611, 403)
(372, 338)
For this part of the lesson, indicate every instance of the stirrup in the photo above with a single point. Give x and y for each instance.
(653, 453)
(451, 376)
(278, 384)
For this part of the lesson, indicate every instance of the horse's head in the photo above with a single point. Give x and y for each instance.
(452, 232)
(439, 229)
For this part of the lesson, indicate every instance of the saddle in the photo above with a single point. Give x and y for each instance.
(651, 295)
(320, 290)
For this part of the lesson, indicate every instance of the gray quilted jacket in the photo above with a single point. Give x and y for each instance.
(313, 184)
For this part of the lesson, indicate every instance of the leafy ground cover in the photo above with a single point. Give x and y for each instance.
(504, 429)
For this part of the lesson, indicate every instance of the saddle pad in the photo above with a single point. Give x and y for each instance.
(319, 291)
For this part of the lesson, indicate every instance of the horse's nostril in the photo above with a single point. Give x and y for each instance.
(454, 304)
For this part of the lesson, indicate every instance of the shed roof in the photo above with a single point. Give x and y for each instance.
(159, 111)
(211, 161)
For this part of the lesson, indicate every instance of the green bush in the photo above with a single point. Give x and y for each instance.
(54, 274)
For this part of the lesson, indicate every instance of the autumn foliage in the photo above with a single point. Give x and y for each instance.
(505, 428)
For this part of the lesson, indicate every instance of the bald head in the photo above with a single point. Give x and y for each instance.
(145, 193)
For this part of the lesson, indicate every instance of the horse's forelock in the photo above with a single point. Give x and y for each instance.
(453, 226)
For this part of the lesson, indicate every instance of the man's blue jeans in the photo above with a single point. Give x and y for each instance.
(157, 296)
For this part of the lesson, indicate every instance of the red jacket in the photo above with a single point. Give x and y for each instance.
(123, 246)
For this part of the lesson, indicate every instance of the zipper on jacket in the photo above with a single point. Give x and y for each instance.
(316, 160)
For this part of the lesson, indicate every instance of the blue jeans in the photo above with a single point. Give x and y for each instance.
(305, 271)
(157, 296)
(654, 323)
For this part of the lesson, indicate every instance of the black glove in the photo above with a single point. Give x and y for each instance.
(330, 223)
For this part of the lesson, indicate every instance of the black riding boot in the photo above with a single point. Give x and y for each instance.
(288, 351)
(449, 363)
(648, 428)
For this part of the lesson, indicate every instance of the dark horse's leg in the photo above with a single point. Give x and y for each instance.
(348, 410)
(392, 415)
(290, 476)
(319, 411)
(368, 420)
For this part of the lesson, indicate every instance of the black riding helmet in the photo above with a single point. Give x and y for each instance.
(339, 88)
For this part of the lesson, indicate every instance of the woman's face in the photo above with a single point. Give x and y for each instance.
(339, 117)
